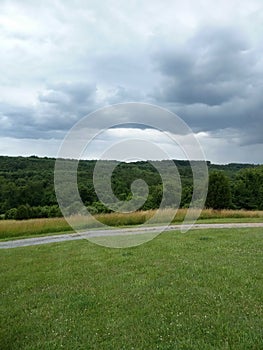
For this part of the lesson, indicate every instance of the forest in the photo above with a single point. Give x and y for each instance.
(27, 186)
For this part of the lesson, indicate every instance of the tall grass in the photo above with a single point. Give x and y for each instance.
(12, 228)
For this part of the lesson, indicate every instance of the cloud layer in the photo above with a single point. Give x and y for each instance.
(62, 60)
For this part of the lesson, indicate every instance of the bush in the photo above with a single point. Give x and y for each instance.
(11, 214)
(23, 212)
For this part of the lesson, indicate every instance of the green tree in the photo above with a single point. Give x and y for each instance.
(219, 194)
(248, 189)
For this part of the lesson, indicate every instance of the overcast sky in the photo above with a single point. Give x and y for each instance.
(63, 59)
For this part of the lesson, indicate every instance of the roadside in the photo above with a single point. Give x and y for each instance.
(50, 232)
(116, 232)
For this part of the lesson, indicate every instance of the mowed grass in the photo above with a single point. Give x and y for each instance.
(10, 229)
(200, 290)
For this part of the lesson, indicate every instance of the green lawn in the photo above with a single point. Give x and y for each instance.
(199, 290)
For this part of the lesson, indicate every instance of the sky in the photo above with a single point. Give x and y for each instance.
(63, 59)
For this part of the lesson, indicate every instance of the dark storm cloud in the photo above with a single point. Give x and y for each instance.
(214, 81)
(211, 68)
(15, 121)
(59, 106)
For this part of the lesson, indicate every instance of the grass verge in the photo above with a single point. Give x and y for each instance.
(196, 291)
(10, 229)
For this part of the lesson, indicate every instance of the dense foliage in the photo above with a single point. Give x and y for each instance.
(27, 186)
(219, 193)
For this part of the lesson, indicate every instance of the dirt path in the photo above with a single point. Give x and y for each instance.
(112, 232)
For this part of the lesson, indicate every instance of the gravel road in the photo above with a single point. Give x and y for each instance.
(113, 232)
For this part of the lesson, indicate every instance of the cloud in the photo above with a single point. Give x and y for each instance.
(62, 60)
(214, 81)
(212, 67)
(56, 109)
(14, 146)
(62, 104)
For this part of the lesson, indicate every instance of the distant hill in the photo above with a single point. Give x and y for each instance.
(26, 185)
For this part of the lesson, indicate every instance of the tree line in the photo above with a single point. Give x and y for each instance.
(27, 186)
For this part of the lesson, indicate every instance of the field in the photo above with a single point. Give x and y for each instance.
(24, 228)
(200, 290)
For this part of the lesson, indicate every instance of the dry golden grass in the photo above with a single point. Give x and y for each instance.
(225, 213)
(12, 228)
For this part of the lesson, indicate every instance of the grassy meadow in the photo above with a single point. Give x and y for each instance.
(23, 228)
(201, 291)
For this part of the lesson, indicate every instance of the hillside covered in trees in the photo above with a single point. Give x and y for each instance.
(27, 186)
